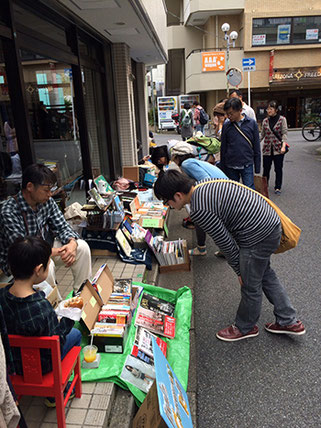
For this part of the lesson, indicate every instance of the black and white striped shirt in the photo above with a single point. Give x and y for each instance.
(234, 216)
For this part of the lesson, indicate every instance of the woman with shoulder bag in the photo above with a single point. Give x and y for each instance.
(274, 132)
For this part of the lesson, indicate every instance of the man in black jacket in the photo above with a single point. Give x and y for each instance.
(240, 144)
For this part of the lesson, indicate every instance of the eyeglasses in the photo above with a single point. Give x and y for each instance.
(49, 187)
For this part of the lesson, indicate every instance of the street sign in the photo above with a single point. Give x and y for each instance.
(248, 64)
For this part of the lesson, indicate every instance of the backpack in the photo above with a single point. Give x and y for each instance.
(187, 120)
(211, 145)
(203, 117)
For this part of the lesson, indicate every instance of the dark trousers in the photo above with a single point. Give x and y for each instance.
(200, 236)
(278, 168)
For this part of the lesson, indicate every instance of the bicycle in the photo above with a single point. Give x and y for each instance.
(311, 131)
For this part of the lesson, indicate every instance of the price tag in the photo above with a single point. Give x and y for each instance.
(92, 301)
(150, 222)
(83, 315)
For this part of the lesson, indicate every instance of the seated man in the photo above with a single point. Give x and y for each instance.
(33, 212)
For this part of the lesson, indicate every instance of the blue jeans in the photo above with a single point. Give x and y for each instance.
(258, 278)
(200, 128)
(73, 338)
(246, 173)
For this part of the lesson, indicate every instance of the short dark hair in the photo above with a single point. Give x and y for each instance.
(195, 103)
(171, 182)
(159, 152)
(233, 103)
(186, 106)
(27, 253)
(273, 104)
(38, 174)
(236, 91)
(182, 158)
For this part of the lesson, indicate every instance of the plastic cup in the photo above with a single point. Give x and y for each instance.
(90, 352)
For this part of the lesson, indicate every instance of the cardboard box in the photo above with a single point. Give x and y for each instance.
(131, 173)
(148, 415)
(53, 297)
(186, 266)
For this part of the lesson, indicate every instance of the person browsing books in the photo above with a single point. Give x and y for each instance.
(248, 231)
(182, 155)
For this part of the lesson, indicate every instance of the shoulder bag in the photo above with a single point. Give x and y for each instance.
(242, 133)
(290, 231)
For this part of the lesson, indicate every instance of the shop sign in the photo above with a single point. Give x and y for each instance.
(312, 34)
(213, 61)
(258, 39)
(284, 31)
(271, 64)
(296, 75)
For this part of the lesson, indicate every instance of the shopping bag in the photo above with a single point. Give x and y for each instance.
(260, 184)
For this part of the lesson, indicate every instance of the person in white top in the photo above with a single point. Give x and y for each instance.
(236, 93)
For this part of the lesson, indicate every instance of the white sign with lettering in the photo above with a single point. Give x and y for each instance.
(312, 34)
(258, 39)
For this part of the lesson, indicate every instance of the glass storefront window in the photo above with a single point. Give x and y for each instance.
(10, 166)
(96, 122)
(50, 98)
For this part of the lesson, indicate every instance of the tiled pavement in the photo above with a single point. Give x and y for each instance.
(93, 408)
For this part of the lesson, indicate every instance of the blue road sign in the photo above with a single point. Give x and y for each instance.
(248, 64)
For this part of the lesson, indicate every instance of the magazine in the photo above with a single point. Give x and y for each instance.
(156, 304)
(138, 373)
(155, 322)
(143, 341)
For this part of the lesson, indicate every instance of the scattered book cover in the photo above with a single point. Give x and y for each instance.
(156, 304)
(155, 322)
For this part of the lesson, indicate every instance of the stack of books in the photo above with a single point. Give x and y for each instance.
(167, 252)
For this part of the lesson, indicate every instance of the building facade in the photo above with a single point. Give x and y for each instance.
(283, 37)
(73, 83)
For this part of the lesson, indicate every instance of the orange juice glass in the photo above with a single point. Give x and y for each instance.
(90, 352)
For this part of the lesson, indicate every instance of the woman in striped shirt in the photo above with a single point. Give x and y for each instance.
(248, 231)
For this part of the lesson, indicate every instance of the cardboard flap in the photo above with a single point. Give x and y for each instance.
(92, 305)
(104, 281)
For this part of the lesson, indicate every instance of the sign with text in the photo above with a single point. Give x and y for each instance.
(284, 31)
(312, 34)
(258, 39)
(271, 64)
(248, 64)
(213, 61)
(297, 75)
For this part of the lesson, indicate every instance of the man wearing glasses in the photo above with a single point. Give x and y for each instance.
(34, 212)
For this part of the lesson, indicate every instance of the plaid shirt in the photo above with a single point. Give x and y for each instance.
(47, 218)
(32, 316)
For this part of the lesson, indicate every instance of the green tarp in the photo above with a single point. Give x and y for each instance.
(111, 365)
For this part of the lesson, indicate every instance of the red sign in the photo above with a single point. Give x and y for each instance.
(271, 66)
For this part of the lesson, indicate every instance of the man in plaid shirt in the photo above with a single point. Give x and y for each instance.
(33, 212)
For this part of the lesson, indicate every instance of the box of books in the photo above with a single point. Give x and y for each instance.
(172, 256)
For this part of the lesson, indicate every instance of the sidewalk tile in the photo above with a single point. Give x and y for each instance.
(35, 413)
(82, 402)
(51, 416)
(76, 416)
(104, 388)
(100, 402)
(88, 387)
(95, 418)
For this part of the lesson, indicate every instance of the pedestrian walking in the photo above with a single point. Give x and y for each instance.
(186, 122)
(274, 135)
(248, 231)
(240, 144)
(200, 117)
(246, 109)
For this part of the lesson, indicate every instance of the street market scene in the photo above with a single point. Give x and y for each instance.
(159, 198)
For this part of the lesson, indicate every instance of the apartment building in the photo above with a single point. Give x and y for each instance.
(73, 82)
(283, 37)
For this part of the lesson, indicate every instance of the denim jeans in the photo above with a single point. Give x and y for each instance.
(73, 338)
(258, 278)
(200, 128)
(246, 173)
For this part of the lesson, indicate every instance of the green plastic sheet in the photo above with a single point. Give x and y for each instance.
(111, 365)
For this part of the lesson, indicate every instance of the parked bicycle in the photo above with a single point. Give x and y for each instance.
(311, 131)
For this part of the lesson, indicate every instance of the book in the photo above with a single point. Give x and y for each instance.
(155, 322)
(123, 285)
(113, 317)
(122, 241)
(156, 304)
(101, 203)
(138, 373)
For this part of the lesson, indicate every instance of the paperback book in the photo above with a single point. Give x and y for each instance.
(155, 322)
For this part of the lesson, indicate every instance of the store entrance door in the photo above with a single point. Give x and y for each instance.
(291, 112)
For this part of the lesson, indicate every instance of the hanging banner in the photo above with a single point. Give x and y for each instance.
(213, 61)
(271, 66)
